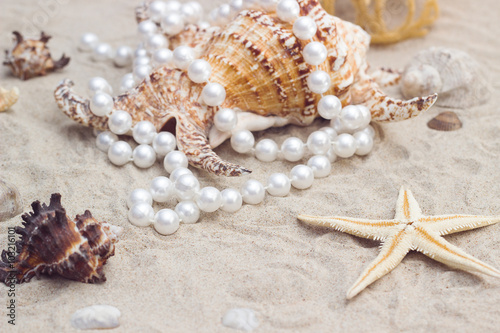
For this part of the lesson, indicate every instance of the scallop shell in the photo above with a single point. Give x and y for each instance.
(11, 203)
(52, 243)
(446, 121)
(8, 98)
(455, 75)
(241, 319)
(96, 317)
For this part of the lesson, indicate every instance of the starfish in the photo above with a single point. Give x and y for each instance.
(409, 230)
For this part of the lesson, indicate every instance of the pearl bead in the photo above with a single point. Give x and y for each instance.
(209, 199)
(175, 159)
(140, 52)
(104, 140)
(302, 176)
(141, 214)
(278, 185)
(242, 141)
(144, 132)
(231, 200)
(190, 13)
(199, 71)
(164, 143)
(318, 142)
(236, 6)
(144, 156)
(213, 94)
(120, 153)
(102, 52)
(329, 107)
(186, 187)
(224, 14)
(173, 6)
(345, 145)
(161, 189)
(369, 130)
(330, 131)
(183, 57)
(268, 5)
(123, 56)
(304, 28)
(332, 157)
(127, 83)
(204, 25)
(266, 150)
(366, 115)
(288, 10)
(351, 117)
(179, 172)
(172, 24)
(155, 42)
(120, 122)
(101, 104)
(315, 53)
(339, 127)
(146, 28)
(292, 149)
(142, 61)
(141, 72)
(88, 41)
(139, 195)
(166, 222)
(225, 120)
(364, 143)
(99, 84)
(157, 9)
(320, 166)
(319, 82)
(162, 57)
(188, 212)
(252, 192)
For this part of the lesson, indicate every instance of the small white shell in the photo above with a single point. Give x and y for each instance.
(241, 319)
(96, 317)
(8, 98)
(10, 201)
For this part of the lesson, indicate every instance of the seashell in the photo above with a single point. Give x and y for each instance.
(241, 319)
(454, 74)
(446, 122)
(96, 317)
(11, 203)
(8, 98)
(259, 61)
(52, 243)
(30, 58)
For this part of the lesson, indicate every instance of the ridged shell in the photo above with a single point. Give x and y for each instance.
(446, 122)
(11, 203)
(8, 98)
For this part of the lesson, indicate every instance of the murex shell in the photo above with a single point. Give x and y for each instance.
(52, 243)
(11, 203)
(30, 58)
(8, 98)
(259, 61)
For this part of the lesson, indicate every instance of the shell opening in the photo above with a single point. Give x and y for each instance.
(170, 126)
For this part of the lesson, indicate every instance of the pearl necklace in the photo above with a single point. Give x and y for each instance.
(325, 145)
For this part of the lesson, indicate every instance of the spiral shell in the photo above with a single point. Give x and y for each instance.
(8, 98)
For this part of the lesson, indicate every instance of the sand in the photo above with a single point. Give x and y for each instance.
(294, 276)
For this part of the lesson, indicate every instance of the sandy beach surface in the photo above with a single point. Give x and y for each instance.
(295, 277)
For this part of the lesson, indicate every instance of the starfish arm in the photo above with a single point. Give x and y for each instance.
(391, 254)
(449, 224)
(436, 247)
(407, 207)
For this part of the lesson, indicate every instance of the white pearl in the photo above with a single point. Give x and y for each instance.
(198, 9)
(319, 82)
(345, 145)
(164, 143)
(315, 53)
(268, 5)
(213, 94)
(199, 71)
(175, 159)
(320, 166)
(302, 176)
(339, 127)
(304, 28)
(183, 57)
(144, 156)
(330, 131)
(242, 141)
(140, 52)
(225, 120)
(123, 56)
(99, 84)
(318, 142)
(172, 24)
(186, 187)
(101, 104)
(188, 212)
(157, 9)
(142, 61)
(141, 72)
(120, 122)
(329, 107)
(288, 10)
(173, 6)
(179, 172)
(102, 52)
(209, 199)
(88, 41)
(166, 222)
(231, 200)
(141, 214)
(266, 150)
(104, 140)
(236, 6)
(127, 83)
(155, 42)
(292, 149)
(139, 195)
(367, 116)
(146, 28)
(224, 14)
(252, 192)
(144, 132)
(351, 117)
(278, 184)
(190, 13)
(364, 143)
(214, 16)
(161, 189)
(369, 130)
(162, 57)
(120, 153)
(204, 25)
(332, 157)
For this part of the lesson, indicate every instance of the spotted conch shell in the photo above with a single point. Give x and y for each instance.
(257, 58)
(30, 58)
(8, 98)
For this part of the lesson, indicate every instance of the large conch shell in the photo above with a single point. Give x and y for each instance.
(8, 98)
(257, 58)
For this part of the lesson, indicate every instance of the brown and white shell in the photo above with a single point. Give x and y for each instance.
(8, 98)
(454, 74)
(52, 243)
(11, 203)
(30, 58)
(259, 61)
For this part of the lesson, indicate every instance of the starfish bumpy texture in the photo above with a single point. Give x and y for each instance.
(409, 230)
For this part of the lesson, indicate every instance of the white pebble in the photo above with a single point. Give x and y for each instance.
(96, 317)
(240, 319)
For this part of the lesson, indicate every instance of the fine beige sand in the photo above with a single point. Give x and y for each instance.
(294, 276)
